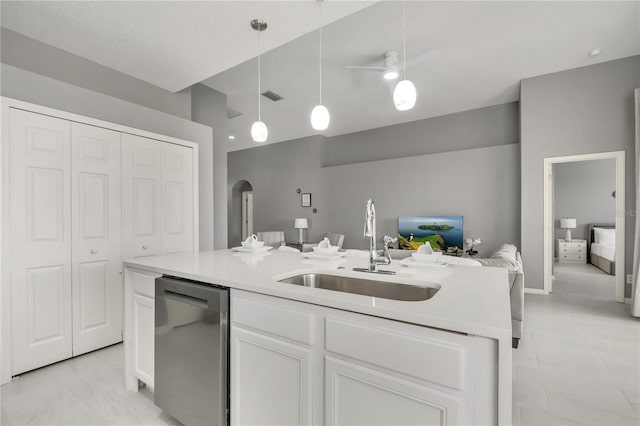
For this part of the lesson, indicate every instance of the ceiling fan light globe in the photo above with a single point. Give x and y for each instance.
(404, 95)
(390, 75)
(259, 132)
(320, 117)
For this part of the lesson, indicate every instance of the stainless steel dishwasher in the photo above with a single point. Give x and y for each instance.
(191, 351)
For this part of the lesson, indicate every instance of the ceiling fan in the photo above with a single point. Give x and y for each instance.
(391, 67)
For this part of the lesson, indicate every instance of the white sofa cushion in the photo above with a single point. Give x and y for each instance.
(504, 257)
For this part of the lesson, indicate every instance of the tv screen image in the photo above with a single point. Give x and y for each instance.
(444, 233)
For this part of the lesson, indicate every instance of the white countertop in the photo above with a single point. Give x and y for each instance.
(473, 300)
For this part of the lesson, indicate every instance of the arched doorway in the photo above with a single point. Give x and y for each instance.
(240, 213)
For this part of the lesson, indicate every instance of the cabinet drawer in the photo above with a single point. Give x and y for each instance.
(431, 360)
(572, 256)
(144, 284)
(276, 318)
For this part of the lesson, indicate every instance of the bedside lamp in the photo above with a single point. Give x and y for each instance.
(568, 224)
(301, 224)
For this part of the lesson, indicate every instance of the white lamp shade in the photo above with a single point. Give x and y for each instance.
(567, 223)
(259, 132)
(404, 95)
(320, 117)
(301, 223)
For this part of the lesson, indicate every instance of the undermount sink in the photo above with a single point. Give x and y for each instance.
(373, 288)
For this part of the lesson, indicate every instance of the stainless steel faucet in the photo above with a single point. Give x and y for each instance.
(370, 232)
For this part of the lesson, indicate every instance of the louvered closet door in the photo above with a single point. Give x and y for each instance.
(177, 184)
(96, 235)
(141, 197)
(40, 228)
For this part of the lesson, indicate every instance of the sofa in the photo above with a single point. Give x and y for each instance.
(507, 256)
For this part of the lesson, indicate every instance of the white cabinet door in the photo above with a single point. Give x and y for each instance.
(177, 184)
(141, 196)
(144, 331)
(96, 238)
(40, 255)
(357, 395)
(270, 380)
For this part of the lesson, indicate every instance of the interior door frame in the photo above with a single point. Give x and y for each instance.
(548, 225)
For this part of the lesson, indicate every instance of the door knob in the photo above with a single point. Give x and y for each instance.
(93, 251)
(144, 247)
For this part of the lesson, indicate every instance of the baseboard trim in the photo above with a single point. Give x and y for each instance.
(535, 291)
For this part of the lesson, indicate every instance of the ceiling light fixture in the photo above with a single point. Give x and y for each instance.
(595, 52)
(259, 131)
(391, 75)
(320, 114)
(231, 137)
(404, 95)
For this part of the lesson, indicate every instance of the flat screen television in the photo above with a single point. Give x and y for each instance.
(444, 233)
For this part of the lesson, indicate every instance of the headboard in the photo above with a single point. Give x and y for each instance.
(597, 225)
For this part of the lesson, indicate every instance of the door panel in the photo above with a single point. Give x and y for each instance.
(141, 196)
(40, 233)
(96, 232)
(177, 182)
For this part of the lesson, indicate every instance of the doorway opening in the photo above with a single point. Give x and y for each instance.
(241, 213)
(584, 217)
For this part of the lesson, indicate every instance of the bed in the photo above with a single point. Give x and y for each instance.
(602, 246)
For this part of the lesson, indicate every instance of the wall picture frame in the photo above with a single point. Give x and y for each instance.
(305, 199)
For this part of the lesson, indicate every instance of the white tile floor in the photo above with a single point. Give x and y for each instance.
(579, 359)
(578, 363)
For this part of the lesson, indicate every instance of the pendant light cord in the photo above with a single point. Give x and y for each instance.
(259, 73)
(320, 49)
(404, 40)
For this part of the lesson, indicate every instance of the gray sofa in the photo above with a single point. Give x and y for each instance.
(508, 257)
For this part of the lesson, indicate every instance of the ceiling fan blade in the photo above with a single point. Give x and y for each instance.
(363, 68)
(425, 56)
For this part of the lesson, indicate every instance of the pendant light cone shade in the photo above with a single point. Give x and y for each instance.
(404, 95)
(259, 132)
(320, 117)
(320, 114)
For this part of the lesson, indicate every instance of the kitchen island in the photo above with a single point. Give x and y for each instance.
(303, 355)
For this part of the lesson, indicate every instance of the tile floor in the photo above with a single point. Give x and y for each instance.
(578, 363)
(579, 359)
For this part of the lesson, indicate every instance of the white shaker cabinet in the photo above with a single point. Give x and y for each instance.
(40, 235)
(96, 238)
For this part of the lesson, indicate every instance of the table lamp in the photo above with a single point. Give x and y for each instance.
(301, 224)
(568, 224)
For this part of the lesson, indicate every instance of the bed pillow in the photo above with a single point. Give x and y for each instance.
(606, 236)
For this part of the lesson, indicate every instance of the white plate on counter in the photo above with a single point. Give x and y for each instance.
(329, 256)
(252, 250)
(412, 263)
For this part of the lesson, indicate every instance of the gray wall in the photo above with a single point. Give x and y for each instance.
(31, 55)
(482, 184)
(582, 190)
(579, 111)
(209, 107)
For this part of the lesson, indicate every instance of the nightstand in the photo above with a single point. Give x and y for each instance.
(574, 251)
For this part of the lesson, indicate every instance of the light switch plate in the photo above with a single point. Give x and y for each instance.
(629, 279)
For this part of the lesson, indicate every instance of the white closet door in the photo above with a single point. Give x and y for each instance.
(40, 218)
(96, 237)
(177, 184)
(141, 196)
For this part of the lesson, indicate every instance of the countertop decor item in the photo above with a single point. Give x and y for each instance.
(472, 243)
(568, 224)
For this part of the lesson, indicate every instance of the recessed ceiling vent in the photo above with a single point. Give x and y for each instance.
(232, 113)
(272, 96)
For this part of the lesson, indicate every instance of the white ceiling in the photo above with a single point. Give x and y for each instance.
(486, 48)
(172, 44)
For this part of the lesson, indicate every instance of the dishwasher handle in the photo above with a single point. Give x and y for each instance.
(206, 296)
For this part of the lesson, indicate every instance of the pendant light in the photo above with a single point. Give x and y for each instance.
(259, 131)
(404, 95)
(320, 114)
